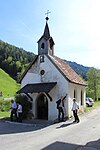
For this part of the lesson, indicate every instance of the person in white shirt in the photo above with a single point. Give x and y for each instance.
(13, 110)
(75, 108)
(19, 112)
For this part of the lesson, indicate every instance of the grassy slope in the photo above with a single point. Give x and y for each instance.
(8, 86)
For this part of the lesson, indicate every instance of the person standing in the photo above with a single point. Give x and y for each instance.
(19, 112)
(13, 110)
(75, 108)
(60, 107)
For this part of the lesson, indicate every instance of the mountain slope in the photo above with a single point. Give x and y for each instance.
(79, 69)
(8, 86)
(14, 60)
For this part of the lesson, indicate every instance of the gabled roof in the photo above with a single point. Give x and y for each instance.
(66, 70)
(63, 68)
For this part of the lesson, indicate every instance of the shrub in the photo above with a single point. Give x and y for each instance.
(5, 105)
(26, 105)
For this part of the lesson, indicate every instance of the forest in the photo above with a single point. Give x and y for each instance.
(14, 60)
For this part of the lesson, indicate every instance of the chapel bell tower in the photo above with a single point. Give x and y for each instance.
(46, 43)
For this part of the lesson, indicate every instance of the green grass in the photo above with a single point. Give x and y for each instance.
(96, 103)
(8, 86)
(4, 114)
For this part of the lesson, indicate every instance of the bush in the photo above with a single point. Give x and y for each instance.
(5, 105)
(26, 105)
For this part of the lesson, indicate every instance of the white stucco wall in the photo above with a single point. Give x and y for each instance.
(78, 89)
(51, 75)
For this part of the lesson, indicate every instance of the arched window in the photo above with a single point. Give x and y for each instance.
(41, 58)
(81, 98)
(74, 94)
(42, 46)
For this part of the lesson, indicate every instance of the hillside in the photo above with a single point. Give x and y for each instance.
(8, 86)
(14, 60)
(79, 69)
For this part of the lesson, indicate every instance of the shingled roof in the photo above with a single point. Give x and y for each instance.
(66, 70)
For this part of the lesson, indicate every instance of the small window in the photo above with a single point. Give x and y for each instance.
(42, 46)
(74, 94)
(81, 98)
(41, 59)
(42, 72)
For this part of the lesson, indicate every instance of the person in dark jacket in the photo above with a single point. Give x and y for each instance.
(60, 107)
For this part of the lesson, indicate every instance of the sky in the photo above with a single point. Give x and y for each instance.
(74, 26)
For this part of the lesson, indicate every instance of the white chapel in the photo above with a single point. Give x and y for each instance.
(47, 78)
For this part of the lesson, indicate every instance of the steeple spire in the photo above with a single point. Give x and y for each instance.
(46, 33)
(46, 43)
(46, 30)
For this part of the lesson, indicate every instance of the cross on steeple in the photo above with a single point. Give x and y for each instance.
(48, 12)
(46, 43)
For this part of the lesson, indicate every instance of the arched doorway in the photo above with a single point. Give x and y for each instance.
(42, 107)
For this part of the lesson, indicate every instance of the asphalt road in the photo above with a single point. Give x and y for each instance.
(60, 136)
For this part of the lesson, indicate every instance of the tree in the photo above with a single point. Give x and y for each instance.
(93, 77)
